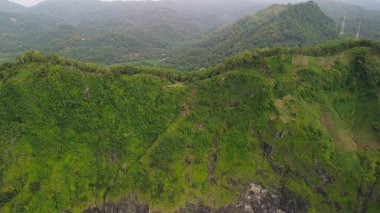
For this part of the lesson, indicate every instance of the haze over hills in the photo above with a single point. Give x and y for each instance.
(369, 4)
(354, 16)
(151, 27)
(278, 25)
(162, 33)
(8, 6)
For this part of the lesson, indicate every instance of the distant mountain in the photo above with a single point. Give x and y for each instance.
(368, 4)
(278, 25)
(67, 10)
(182, 34)
(8, 6)
(369, 20)
(116, 32)
(20, 32)
(97, 31)
(207, 13)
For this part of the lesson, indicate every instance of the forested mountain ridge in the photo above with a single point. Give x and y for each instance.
(278, 25)
(109, 32)
(168, 33)
(93, 41)
(205, 14)
(296, 126)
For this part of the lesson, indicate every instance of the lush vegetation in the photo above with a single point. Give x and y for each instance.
(278, 25)
(297, 117)
(184, 35)
(144, 38)
(301, 121)
(137, 32)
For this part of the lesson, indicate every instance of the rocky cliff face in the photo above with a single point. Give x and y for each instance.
(256, 199)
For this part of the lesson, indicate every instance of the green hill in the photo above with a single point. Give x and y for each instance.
(186, 34)
(139, 32)
(278, 25)
(297, 125)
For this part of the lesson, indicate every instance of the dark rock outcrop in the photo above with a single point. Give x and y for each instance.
(123, 206)
(256, 199)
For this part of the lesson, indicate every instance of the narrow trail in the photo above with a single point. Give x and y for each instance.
(144, 157)
(341, 137)
(174, 124)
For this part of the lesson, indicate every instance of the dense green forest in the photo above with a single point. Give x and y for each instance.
(112, 32)
(186, 35)
(278, 25)
(301, 122)
(189, 106)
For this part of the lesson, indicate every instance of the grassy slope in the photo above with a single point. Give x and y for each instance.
(73, 134)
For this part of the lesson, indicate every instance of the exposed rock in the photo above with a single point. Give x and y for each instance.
(321, 191)
(123, 206)
(192, 208)
(260, 200)
(252, 132)
(281, 135)
(186, 110)
(256, 199)
(187, 161)
(234, 104)
(292, 203)
(266, 148)
(212, 162)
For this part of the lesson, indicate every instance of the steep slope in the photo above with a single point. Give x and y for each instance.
(278, 25)
(297, 126)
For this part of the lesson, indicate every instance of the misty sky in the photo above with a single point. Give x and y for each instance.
(34, 2)
(359, 2)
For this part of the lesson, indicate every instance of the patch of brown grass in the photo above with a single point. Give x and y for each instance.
(343, 139)
(300, 60)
